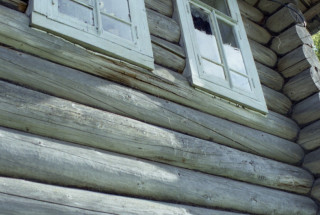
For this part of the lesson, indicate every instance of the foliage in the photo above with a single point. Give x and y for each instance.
(316, 39)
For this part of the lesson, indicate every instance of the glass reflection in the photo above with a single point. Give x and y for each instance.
(220, 5)
(76, 10)
(213, 69)
(240, 81)
(116, 27)
(117, 8)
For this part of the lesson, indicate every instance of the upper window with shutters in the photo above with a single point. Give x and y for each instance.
(219, 56)
(117, 28)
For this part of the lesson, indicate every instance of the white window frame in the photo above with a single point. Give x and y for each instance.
(194, 72)
(45, 15)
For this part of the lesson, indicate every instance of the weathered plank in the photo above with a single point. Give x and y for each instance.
(309, 137)
(57, 80)
(298, 61)
(291, 39)
(18, 5)
(250, 12)
(164, 7)
(263, 54)
(161, 82)
(29, 198)
(303, 85)
(163, 26)
(312, 12)
(308, 110)
(270, 7)
(176, 49)
(312, 162)
(269, 77)
(256, 32)
(316, 190)
(252, 2)
(70, 165)
(282, 19)
(111, 132)
(276, 101)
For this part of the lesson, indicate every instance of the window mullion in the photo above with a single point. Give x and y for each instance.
(97, 16)
(216, 30)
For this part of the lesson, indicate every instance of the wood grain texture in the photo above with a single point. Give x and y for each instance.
(251, 2)
(250, 12)
(165, 7)
(312, 12)
(312, 162)
(18, 5)
(256, 32)
(309, 137)
(308, 110)
(17, 195)
(70, 165)
(276, 101)
(263, 54)
(291, 39)
(269, 77)
(316, 190)
(303, 85)
(76, 86)
(161, 82)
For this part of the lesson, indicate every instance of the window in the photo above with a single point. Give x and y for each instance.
(219, 56)
(117, 28)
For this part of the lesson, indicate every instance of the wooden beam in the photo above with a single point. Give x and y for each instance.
(250, 12)
(263, 54)
(303, 85)
(312, 12)
(161, 82)
(256, 32)
(291, 39)
(95, 128)
(276, 101)
(309, 137)
(56, 80)
(269, 77)
(308, 110)
(312, 162)
(18, 5)
(251, 2)
(70, 165)
(316, 190)
(17, 195)
(165, 7)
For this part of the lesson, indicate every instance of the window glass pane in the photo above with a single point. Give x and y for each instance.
(76, 10)
(213, 69)
(205, 37)
(231, 48)
(116, 27)
(117, 8)
(240, 81)
(220, 5)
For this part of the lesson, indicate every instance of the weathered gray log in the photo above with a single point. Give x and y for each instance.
(282, 19)
(291, 39)
(256, 32)
(316, 190)
(252, 2)
(269, 77)
(263, 54)
(91, 127)
(276, 101)
(270, 7)
(250, 12)
(309, 137)
(162, 26)
(312, 162)
(164, 7)
(15, 4)
(70, 165)
(56, 80)
(298, 61)
(161, 82)
(30, 198)
(167, 54)
(312, 12)
(308, 110)
(303, 85)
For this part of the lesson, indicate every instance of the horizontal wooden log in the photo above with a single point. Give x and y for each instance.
(303, 85)
(308, 110)
(312, 12)
(18, 5)
(250, 12)
(291, 39)
(161, 82)
(18, 195)
(70, 165)
(282, 19)
(309, 137)
(251, 2)
(276, 101)
(165, 7)
(316, 190)
(176, 49)
(163, 26)
(111, 132)
(312, 162)
(263, 54)
(270, 7)
(297, 61)
(256, 32)
(269, 77)
(54, 79)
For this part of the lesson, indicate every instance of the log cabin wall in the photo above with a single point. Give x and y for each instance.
(151, 139)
